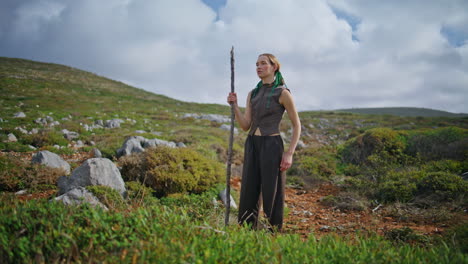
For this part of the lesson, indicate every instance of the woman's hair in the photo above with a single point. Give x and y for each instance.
(273, 60)
(278, 77)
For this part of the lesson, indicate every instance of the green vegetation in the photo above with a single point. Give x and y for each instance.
(172, 170)
(410, 164)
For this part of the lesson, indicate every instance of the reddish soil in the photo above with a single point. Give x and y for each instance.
(308, 215)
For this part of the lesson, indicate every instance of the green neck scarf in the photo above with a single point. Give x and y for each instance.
(278, 80)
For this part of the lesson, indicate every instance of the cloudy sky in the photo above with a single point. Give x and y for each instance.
(334, 53)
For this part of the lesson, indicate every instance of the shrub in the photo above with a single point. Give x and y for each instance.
(139, 193)
(442, 143)
(314, 164)
(374, 142)
(406, 235)
(449, 166)
(444, 185)
(398, 185)
(45, 137)
(172, 170)
(16, 175)
(107, 195)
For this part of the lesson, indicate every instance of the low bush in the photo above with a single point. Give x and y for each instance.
(445, 186)
(457, 236)
(374, 142)
(172, 170)
(314, 164)
(16, 175)
(45, 137)
(110, 197)
(406, 235)
(441, 143)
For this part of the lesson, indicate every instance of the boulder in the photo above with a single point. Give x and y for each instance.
(19, 115)
(131, 145)
(22, 130)
(11, 138)
(113, 123)
(41, 121)
(70, 135)
(95, 171)
(223, 197)
(96, 153)
(78, 196)
(50, 159)
(158, 142)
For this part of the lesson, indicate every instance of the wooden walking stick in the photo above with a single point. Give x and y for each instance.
(231, 140)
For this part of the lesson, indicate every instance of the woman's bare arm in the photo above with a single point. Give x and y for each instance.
(244, 119)
(287, 101)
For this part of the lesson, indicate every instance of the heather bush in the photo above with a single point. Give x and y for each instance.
(441, 143)
(45, 137)
(314, 164)
(172, 170)
(374, 142)
(444, 185)
(16, 175)
(110, 197)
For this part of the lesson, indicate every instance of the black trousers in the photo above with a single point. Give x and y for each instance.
(261, 175)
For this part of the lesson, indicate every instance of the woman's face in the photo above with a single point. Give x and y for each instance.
(264, 67)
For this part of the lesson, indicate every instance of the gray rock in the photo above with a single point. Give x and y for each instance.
(95, 171)
(41, 121)
(22, 130)
(34, 131)
(140, 131)
(301, 144)
(50, 159)
(228, 128)
(131, 145)
(180, 145)
(78, 196)
(1, 120)
(158, 142)
(19, 115)
(55, 123)
(99, 122)
(32, 147)
(79, 144)
(96, 153)
(21, 192)
(223, 197)
(113, 123)
(11, 138)
(70, 135)
(49, 118)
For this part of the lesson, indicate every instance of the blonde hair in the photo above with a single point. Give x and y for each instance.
(273, 60)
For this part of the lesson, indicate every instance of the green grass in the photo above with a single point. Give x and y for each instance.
(181, 230)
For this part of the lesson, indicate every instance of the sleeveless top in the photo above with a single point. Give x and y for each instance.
(266, 119)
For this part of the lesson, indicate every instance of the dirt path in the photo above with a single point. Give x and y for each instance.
(308, 215)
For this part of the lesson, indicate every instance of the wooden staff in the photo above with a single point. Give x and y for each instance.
(231, 140)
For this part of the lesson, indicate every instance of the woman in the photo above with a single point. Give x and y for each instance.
(265, 160)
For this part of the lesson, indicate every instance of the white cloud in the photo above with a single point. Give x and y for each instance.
(180, 49)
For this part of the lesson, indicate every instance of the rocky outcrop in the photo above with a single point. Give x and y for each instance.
(137, 144)
(52, 160)
(95, 171)
(78, 196)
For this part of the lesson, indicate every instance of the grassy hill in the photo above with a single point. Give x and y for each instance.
(407, 167)
(403, 111)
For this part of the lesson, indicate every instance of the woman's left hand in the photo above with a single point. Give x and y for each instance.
(286, 161)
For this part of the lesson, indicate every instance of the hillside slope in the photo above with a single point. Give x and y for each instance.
(403, 111)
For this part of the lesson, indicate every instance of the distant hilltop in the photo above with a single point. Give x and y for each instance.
(403, 111)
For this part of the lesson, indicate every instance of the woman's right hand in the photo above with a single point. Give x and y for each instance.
(232, 98)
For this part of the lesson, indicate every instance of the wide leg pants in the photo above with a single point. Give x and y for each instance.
(261, 175)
